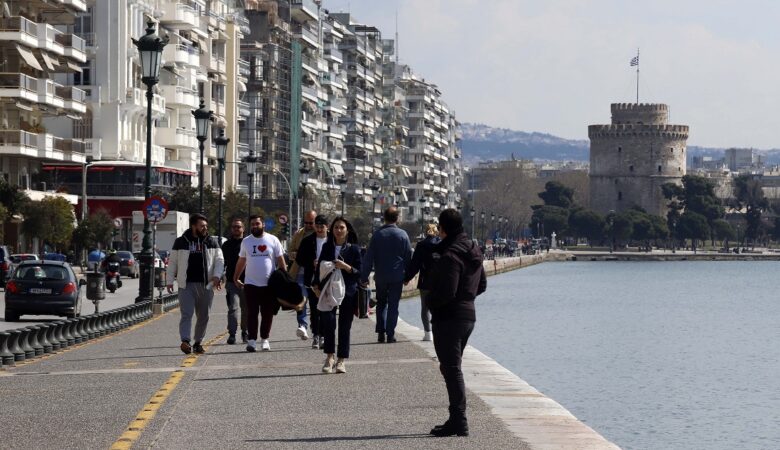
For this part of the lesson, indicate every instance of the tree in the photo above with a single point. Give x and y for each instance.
(548, 218)
(586, 223)
(93, 231)
(749, 196)
(724, 231)
(556, 194)
(51, 220)
(697, 194)
(4, 215)
(12, 198)
(693, 226)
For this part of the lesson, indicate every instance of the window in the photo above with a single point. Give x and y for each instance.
(620, 149)
(84, 78)
(671, 149)
(659, 169)
(631, 168)
(620, 195)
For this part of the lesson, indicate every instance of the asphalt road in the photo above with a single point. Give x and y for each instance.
(123, 296)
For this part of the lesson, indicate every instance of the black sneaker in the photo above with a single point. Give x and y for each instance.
(198, 349)
(185, 347)
(380, 338)
(449, 429)
(391, 340)
(231, 339)
(244, 336)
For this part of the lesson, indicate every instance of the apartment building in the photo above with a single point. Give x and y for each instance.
(37, 51)
(199, 62)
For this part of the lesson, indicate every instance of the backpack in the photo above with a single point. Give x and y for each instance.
(286, 290)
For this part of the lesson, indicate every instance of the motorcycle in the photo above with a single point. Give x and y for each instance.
(112, 277)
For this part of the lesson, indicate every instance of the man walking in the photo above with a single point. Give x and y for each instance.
(456, 279)
(306, 258)
(261, 253)
(297, 274)
(388, 254)
(235, 295)
(197, 264)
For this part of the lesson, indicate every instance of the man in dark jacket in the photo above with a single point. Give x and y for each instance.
(456, 280)
(307, 256)
(422, 263)
(235, 295)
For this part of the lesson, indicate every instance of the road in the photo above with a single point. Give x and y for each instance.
(123, 296)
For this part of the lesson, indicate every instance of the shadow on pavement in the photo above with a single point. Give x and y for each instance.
(260, 377)
(347, 438)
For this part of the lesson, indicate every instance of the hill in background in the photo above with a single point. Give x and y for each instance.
(482, 143)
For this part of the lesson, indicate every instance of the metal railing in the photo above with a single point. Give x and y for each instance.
(20, 138)
(71, 40)
(18, 23)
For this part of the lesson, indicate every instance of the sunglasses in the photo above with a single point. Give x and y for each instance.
(237, 226)
(308, 223)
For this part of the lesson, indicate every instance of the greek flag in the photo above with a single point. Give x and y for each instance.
(635, 61)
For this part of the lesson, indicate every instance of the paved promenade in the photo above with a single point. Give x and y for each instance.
(136, 389)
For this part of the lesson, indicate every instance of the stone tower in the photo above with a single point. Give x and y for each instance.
(634, 156)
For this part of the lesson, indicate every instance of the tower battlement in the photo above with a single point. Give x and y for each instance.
(638, 130)
(640, 113)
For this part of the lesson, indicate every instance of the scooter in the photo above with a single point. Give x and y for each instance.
(112, 277)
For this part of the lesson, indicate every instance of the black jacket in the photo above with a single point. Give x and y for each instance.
(456, 279)
(230, 249)
(306, 257)
(421, 262)
(351, 255)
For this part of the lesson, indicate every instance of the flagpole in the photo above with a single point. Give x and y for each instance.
(637, 76)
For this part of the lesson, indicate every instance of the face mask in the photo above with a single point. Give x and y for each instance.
(257, 232)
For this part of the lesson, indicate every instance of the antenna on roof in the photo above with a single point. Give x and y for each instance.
(396, 36)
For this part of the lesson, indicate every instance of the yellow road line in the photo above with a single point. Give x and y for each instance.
(147, 413)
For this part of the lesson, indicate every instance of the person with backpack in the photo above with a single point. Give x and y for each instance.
(421, 263)
(306, 257)
(457, 278)
(342, 249)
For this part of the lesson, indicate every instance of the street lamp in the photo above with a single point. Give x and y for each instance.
(612, 230)
(343, 188)
(472, 213)
(397, 196)
(221, 142)
(374, 194)
(203, 118)
(150, 47)
(500, 222)
(482, 228)
(251, 169)
(304, 181)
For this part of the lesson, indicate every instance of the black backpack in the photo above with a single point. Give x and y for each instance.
(286, 290)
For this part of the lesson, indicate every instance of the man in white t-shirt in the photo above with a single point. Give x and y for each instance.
(261, 253)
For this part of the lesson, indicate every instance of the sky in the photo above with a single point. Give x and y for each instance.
(555, 66)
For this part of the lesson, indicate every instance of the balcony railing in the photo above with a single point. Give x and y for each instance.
(19, 23)
(18, 80)
(18, 138)
(335, 53)
(70, 93)
(68, 145)
(71, 40)
(306, 32)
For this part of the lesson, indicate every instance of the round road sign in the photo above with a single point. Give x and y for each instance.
(155, 209)
(117, 223)
(282, 218)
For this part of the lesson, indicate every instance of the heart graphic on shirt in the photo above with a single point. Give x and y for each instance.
(262, 248)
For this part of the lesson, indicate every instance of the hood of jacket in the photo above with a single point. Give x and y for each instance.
(464, 248)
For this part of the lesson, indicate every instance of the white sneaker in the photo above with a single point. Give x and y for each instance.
(428, 336)
(315, 342)
(340, 368)
(328, 366)
(302, 333)
(251, 345)
(265, 345)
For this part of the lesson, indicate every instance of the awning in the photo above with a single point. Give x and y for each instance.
(241, 86)
(403, 170)
(29, 58)
(337, 169)
(72, 67)
(51, 63)
(324, 167)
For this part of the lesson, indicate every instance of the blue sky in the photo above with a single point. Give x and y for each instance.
(555, 65)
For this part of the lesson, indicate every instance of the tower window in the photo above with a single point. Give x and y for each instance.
(615, 181)
(659, 169)
(620, 149)
(671, 149)
(631, 168)
(620, 195)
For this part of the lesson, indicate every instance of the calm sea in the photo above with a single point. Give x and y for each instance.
(652, 355)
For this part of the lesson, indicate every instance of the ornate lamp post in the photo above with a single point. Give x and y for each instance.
(221, 143)
(611, 230)
(493, 223)
(473, 213)
(203, 118)
(374, 195)
(482, 228)
(397, 193)
(304, 170)
(343, 188)
(251, 169)
(150, 47)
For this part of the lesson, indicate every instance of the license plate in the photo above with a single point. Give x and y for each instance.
(40, 291)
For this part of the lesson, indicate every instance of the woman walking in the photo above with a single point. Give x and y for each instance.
(422, 262)
(341, 249)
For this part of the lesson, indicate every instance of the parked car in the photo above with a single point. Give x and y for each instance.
(128, 266)
(158, 261)
(165, 254)
(19, 257)
(54, 257)
(5, 264)
(43, 288)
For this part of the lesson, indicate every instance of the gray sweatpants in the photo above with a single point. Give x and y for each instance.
(235, 301)
(194, 298)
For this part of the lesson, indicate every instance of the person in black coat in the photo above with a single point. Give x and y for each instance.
(422, 263)
(342, 249)
(306, 257)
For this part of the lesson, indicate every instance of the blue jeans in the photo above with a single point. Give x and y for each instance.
(388, 295)
(302, 313)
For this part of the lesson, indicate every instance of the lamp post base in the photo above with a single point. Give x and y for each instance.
(157, 309)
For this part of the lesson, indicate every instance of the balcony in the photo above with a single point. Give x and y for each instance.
(47, 39)
(19, 29)
(243, 68)
(179, 96)
(181, 54)
(176, 138)
(74, 98)
(94, 148)
(136, 98)
(217, 64)
(309, 92)
(307, 35)
(304, 10)
(74, 46)
(334, 54)
(47, 93)
(17, 85)
(78, 5)
(243, 108)
(180, 15)
(41, 145)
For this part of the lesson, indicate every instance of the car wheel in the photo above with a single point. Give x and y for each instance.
(11, 316)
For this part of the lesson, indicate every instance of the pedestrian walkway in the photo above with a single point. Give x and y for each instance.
(136, 389)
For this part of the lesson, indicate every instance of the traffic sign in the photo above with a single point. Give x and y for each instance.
(269, 223)
(155, 209)
(117, 223)
(282, 219)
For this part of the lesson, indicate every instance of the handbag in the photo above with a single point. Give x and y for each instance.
(364, 302)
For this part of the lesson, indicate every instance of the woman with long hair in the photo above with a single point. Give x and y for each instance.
(341, 249)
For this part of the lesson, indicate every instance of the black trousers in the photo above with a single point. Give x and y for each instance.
(450, 338)
(314, 313)
(328, 321)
